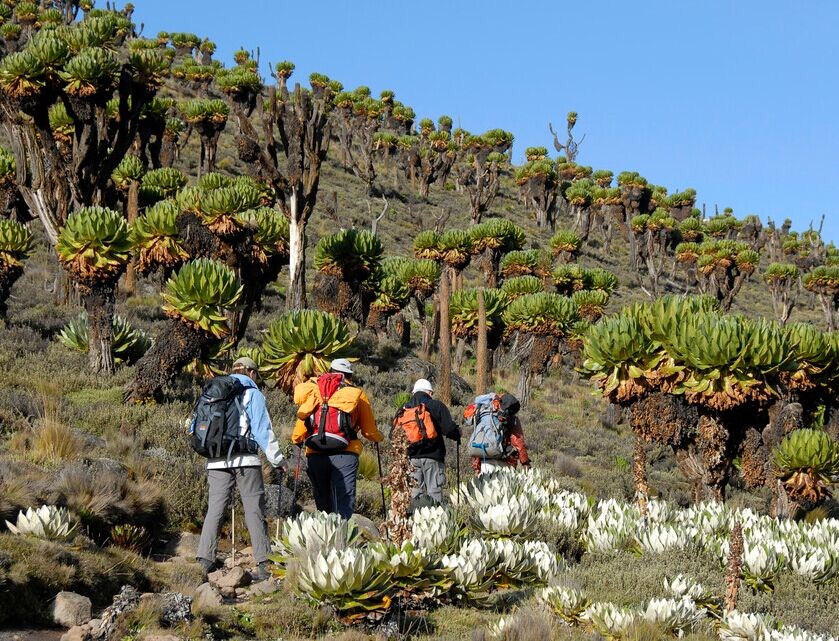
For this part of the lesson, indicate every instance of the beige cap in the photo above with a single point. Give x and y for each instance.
(245, 363)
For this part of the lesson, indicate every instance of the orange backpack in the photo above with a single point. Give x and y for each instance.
(417, 423)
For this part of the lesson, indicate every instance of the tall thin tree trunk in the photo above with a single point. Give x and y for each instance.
(131, 212)
(444, 378)
(482, 373)
(296, 294)
(735, 564)
(99, 305)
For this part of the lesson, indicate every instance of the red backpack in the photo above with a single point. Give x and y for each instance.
(329, 429)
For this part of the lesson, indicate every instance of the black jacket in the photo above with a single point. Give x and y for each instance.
(444, 424)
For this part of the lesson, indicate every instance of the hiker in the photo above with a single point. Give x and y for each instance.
(426, 421)
(235, 459)
(497, 439)
(331, 412)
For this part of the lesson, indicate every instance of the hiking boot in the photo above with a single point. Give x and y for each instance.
(262, 572)
(207, 566)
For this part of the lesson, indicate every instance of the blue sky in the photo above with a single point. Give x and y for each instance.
(736, 99)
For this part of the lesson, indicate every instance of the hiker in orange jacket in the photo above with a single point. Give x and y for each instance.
(331, 436)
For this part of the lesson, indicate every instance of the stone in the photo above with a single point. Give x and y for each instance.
(127, 600)
(77, 633)
(95, 624)
(183, 544)
(268, 586)
(176, 608)
(227, 592)
(162, 637)
(240, 592)
(206, 597)
(245, 560)
(367, 527)
(248, 551)
(71, 609)
(235, 578)
(215, 577)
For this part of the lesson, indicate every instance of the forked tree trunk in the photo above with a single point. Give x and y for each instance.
(176, 346)
(296, 294)
(444, 384)
(99, 305)
(482, 373)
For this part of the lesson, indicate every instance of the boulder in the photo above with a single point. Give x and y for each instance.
(228, 593)
(235, 578)
(183, 544)
(268, 586)
(206, 598)
(71, 609)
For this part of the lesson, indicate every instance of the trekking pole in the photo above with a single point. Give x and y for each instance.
(457, 474)
(233, 534)
(381, 485)
(279, 501)
(457, 459)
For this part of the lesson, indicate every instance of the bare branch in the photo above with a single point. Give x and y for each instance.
(375, 219)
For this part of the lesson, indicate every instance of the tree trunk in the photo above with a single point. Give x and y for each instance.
(175, 346)
(296, 294)
(8, 275)
(733, 567)
(459, 355)
(782, 506)
(129, 285)
(482, 374)
(525, 379)
(444, 378)
(99, 305)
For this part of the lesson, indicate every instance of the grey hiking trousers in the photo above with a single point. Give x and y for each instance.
(429, 478)
(252, 491)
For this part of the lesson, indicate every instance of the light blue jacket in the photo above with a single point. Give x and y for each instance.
(261, 431)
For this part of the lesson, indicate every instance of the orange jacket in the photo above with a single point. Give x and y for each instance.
(514, 440)
(349, 399)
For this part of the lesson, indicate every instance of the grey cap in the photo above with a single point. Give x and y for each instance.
(245, 363)
(341, 365)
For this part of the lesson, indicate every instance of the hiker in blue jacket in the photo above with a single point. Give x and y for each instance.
(245, 471)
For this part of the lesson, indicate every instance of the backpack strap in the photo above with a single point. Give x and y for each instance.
(241, 401)
(421, 423)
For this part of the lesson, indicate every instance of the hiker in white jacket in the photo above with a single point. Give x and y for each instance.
(245, 471)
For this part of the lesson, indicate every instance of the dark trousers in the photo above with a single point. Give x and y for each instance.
(333, 482)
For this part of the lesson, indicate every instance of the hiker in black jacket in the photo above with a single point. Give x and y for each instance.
(428, 456)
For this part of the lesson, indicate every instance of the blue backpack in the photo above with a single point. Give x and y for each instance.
(485, 417)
